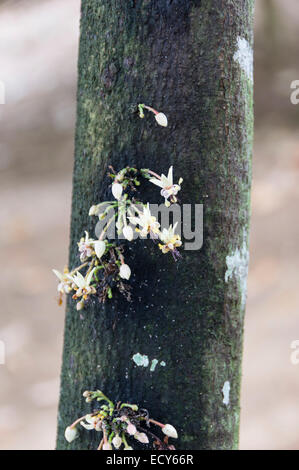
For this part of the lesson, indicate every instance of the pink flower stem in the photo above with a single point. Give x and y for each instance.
(154, 174)
(157, 423)
(101, 445)
(151, 109)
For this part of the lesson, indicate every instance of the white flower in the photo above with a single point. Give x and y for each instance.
(117, 441)
(71, 433)
(92, 422)
(99, 248)
(169, 190)
(85, 247)
(64, 286)
(82, 284)
(128, 232)
(170, 431)
(117, 190)
(161, 119)
(147, 222)
(170, 240)
(125, 271)
(128, 448)
(141, 437)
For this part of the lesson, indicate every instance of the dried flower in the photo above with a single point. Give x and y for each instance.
(147, 222)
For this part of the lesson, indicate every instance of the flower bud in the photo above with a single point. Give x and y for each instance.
(93, 210)
(125, 271)
(170, 431)
(86, 393)
(161, 119)
(71, 433)
(80, 305)
(117, 441)
(141, 437)
(117, 190)
(131, 429)
(99, 248)
(128, 233)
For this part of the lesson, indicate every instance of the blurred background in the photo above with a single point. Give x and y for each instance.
(38, 58)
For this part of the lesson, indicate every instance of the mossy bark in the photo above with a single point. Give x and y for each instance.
(182, 58)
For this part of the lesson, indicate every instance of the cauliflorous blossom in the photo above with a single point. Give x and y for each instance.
(85, 247)
(169, 190)
(170, 240)
(92, 422)
(82, 285)
(148, 224)
(64, 286)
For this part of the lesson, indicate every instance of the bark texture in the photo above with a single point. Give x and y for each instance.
(191, 60)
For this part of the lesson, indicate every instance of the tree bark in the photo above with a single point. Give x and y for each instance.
(191, 60)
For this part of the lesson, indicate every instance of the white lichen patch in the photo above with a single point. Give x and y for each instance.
(140, 360)
(244, 56)
(225, 392)
(237, 265)
(154, 365)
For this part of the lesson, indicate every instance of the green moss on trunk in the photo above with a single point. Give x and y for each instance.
(182, 58)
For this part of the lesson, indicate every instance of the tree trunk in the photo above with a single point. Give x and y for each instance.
(193, 61)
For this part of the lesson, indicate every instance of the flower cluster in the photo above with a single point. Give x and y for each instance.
(103, 260)
(120, 423)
